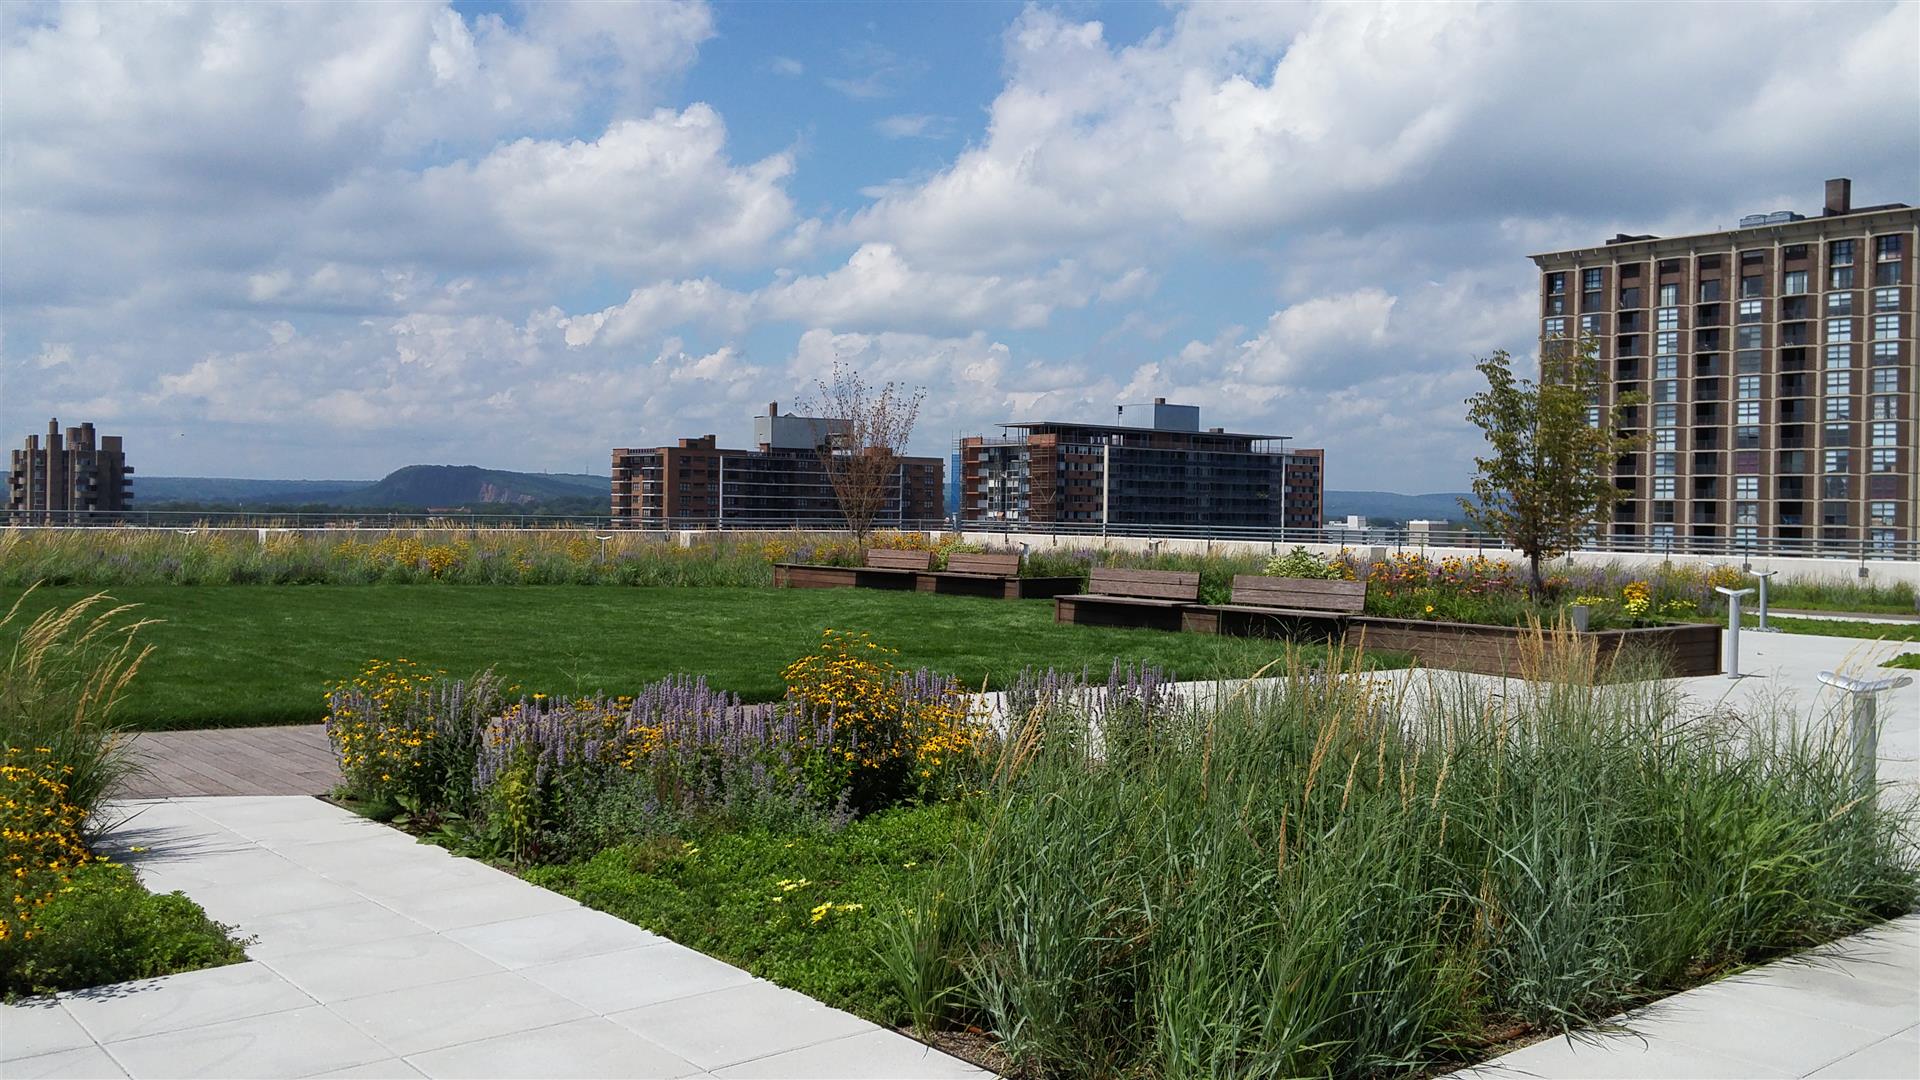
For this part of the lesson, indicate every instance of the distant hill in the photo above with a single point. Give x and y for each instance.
(411, 488)
(1382, 506)
(470, 485)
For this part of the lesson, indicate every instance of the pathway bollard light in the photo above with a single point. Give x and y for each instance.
(603, 547)
(1764, 576)
(1866, 721)
(1733, 627)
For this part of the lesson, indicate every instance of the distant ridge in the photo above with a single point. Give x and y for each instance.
(1383, 506)
(414, 487)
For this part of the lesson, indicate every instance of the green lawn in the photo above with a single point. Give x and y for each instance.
(261, 654)
(1787, 624)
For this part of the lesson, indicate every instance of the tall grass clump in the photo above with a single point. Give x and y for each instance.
(62, 675)
(1338, 875)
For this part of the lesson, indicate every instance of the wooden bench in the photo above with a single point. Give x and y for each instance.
(885, 569)
(1288, 606)
(981, 574)
(1150, 598)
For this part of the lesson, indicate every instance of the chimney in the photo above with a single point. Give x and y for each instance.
(1839, 196)
(1159, 401)
(773, 408)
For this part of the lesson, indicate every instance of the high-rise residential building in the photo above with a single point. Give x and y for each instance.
(780, 484)
(1153, 466)
(1777, 364)
(70, 479)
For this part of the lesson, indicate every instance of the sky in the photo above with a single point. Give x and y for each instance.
(329, 240)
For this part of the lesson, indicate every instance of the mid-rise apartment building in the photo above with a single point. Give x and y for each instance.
(1155, 466)
(1777, 364)
(70, 478)
(781, 483)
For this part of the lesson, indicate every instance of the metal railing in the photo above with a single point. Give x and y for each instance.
(1396, 538)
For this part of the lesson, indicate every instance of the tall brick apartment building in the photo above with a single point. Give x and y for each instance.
(1777, 363)
(68, 479)
(1155, 467)
(779, 484)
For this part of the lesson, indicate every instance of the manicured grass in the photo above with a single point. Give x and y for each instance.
(262, 654)
(750, 897)
(1838, 628)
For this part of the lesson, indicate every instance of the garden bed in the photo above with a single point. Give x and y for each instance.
(1686, 650)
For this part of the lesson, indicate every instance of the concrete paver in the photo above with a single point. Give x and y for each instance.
(379, 956)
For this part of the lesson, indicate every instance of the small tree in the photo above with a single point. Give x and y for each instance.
(1549, 477)
(865, 437)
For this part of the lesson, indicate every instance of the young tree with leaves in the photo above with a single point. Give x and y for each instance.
(865, 438)
(1548, 479)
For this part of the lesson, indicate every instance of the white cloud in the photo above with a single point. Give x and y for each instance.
(879, 287)
(914, 126)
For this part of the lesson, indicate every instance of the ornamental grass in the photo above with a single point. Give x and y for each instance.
(1338, 875)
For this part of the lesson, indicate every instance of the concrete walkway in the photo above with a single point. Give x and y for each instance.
(1847, 1010)
(380, 956)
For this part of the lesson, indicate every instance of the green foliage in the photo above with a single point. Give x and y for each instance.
(264, 654)
(1910, 661)
(1548, 477)
(721, 891)
(1812, 594)
(1325, 878)
(104, 928)
(1876, 631)
(1301, 563)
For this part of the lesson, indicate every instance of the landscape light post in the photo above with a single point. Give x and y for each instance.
(1763, 575)
(603, 547)
(1733, 627)
(1866, 723)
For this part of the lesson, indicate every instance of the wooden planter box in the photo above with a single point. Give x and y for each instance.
(1002, 588)
(1689, 650)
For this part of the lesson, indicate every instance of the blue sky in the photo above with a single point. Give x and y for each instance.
(331, 240)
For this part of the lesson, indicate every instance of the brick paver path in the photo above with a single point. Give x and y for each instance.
(288, 760)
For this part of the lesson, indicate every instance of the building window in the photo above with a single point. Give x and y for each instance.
(1887, 248)
(1666, 367)
(1590, 324)
(1593, 416)
(1556, 328)
(1663, 532)
(1880, 539)
(1752, 285)
(1746, 437)
(1837, 435)
(1557, 283)
(1666, 415)
(1667, 318)
(1666, 439)
(1839, 382)
(1839, 356)
(1663, 487)
(1835, 461)
(1886, 380)
(1887, 273)
(1840, 277)
(1746, 412)
(1747, 360)
(1839, 330)
(1886, 326)
(1881, 513)
(1746, 513)
(1886, 299)
(1748, 337)
(1666, 464)
(1794, 282)
(1886, 434)
(1747, 386)
(1840, 253)
(1556, 305)
(1666, 390)
(1710, 291)
(1840, 303)
(1886, 352)
(1590, 280)
(1886, 408)
(1667, 341)
(1883, 459)
(1839, 408)
(1746, 487)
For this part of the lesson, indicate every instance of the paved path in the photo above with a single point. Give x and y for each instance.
(380, 956)
(1850, 1009)
(288, 760)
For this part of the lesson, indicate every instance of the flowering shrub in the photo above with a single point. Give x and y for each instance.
(1301, 563)
(885, 731)
(39, 835)
(1636, 599)
(406, 735)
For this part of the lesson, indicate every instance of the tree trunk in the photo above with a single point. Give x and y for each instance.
(1533, 566)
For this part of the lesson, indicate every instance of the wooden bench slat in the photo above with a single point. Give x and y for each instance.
(890, 559)
(1300, 593)
(967, 562)
(1160, 584)
(1140, 601)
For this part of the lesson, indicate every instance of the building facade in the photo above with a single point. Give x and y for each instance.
(71, 478)
(780, 484)
(1154, 467)
(1777, 364)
